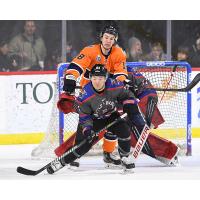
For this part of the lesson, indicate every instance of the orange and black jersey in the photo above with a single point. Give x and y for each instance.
(115, 63)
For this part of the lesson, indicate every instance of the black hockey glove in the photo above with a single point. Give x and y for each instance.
(131, 86)
(69, 83)
(136, 88)
(90, 135)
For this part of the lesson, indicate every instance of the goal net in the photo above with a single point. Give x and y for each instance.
(175, 107)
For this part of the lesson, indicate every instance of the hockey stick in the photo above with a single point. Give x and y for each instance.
(147, 148)
(29, 172)
(151, 104)
(141, 142)
(192, 84)
(168, 82)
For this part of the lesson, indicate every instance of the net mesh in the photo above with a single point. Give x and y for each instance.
(172, 106)
(51, 138)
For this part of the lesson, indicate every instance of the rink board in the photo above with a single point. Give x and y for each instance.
(35, 138)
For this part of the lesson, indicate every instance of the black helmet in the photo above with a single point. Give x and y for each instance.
(99, 70)
(111, 30)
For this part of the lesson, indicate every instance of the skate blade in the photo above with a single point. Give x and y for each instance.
(127, 171)
(112, 166)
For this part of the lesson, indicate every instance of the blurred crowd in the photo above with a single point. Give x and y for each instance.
(28, 50)
(183, 53)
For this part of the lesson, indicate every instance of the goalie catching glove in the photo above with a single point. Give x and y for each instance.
(66, 103)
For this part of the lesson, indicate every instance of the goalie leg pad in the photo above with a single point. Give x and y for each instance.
(157, 118)
(161, 147)
(82, 150)
(60, 150)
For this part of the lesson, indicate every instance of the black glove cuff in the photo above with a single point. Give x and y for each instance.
(69, 84)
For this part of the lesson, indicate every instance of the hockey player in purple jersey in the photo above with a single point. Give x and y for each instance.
(98, 107)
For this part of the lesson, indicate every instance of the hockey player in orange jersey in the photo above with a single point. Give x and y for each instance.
(108, 53)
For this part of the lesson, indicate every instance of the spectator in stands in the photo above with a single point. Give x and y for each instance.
(6, 63)
(196, 57)
(157, 53)
(134, 52)
(183, 54)
(70, 52)
(52, 60)
(29, 47)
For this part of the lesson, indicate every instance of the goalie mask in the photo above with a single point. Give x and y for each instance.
(65, 103)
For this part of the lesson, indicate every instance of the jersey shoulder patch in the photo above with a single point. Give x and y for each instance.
(113, 83)
(86, 92)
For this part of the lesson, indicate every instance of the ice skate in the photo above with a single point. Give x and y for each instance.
(111, 160)
(74, 165)
(128, 164)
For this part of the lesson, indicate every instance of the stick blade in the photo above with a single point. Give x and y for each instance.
(25, 171)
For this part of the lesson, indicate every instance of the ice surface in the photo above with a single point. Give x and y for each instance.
(150, 180)
(92, 168)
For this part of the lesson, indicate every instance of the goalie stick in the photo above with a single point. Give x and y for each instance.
(141, 142)
(192, 84)
(151, 104)
(29, 172)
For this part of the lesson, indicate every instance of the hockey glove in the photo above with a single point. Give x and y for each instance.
(69, 83)
(66, 103)
(136, 88)
(90, 135)
(131, 86)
